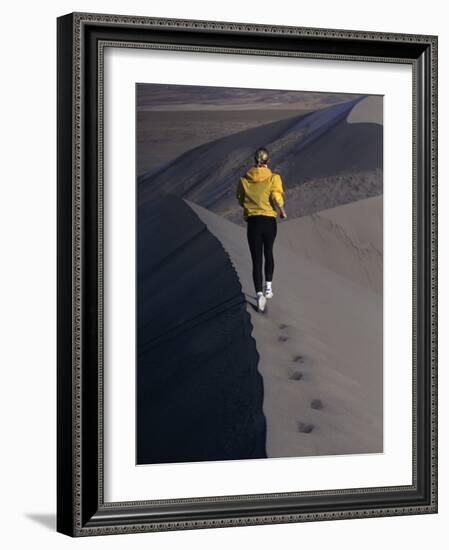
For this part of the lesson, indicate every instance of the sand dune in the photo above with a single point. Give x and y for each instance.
(347, 239)
(320, 347)
(369, 109)
(320, 146)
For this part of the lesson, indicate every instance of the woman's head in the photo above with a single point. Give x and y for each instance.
(261, 156)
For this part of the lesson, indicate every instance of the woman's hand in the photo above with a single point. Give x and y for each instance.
(283, 214)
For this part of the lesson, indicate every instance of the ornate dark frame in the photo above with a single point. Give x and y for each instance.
(81, 510)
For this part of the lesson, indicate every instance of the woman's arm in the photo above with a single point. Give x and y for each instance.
(277, 194)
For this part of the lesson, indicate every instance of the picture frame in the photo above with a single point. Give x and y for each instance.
(81, 507)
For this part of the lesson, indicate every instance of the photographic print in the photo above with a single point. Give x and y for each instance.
(259, 273)
(243, 309)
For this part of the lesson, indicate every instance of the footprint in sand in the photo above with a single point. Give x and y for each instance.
(305, 428)
(296, 375)
(283, 336)
(301, 359)
(316, 404)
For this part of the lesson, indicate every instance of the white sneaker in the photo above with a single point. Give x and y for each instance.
(261, 302)
(268, 292)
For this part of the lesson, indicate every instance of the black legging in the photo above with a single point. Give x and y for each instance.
(261, 233)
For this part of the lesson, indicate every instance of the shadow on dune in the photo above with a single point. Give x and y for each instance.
(199, 393)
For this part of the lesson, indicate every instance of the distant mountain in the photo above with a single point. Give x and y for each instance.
(181, 97)
(343, 158)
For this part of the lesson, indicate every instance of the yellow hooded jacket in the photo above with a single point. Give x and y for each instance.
(258, 191)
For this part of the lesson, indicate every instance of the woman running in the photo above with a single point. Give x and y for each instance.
(259, 193)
